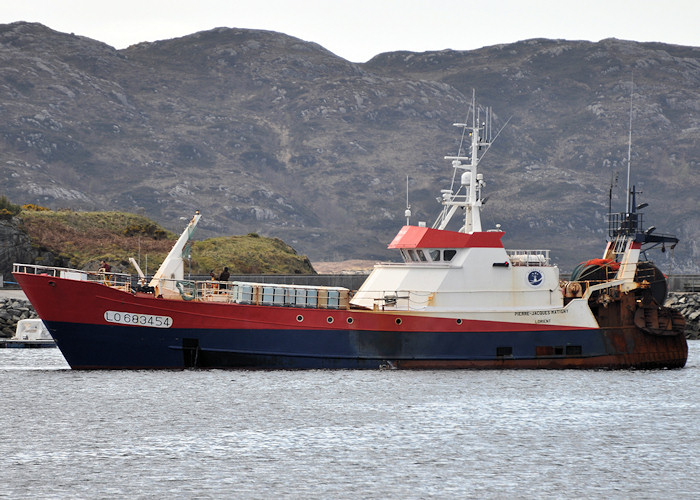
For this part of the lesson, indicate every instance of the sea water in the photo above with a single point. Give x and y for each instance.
(346, 434)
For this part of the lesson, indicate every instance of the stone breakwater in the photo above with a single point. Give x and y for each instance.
(689, 306)
(11, 311)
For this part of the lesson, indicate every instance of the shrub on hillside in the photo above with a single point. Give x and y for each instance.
(31, 207)
(146, 230)
(9, 207)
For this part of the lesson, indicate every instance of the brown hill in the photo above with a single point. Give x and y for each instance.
(80, 239)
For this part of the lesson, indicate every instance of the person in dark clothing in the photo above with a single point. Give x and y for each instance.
(224, 276)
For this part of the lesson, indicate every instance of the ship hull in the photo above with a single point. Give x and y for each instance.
(97, 327)
(88, 346)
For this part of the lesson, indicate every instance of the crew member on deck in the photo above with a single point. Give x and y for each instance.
(224, 276)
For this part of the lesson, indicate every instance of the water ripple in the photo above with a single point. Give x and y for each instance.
(347, 434)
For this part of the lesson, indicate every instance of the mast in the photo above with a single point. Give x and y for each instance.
(629, 151)
(627, 236)
(407, 213)
(469, 193)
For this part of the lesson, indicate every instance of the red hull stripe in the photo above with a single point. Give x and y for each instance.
(425, 237)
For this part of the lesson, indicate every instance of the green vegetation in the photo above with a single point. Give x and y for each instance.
(31, 207)
(86, 238)
(8, 209)
(250, 254)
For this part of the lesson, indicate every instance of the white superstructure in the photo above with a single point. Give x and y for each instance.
(468, 273)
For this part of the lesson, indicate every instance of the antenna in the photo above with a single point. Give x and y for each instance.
(629, 150)
(407, 213)
(613, 183)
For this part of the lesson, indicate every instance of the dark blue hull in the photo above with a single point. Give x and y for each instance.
(111, 346)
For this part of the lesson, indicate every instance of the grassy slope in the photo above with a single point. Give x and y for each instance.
(86, 238)
(251, 254)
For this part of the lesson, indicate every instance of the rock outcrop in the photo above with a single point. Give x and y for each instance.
(16, 246)
(689, 306)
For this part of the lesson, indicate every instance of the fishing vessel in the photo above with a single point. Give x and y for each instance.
(457, 299)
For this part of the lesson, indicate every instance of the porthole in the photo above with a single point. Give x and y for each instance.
(329, 319)
(350, 321)
(398, 321)
(459, 321)
(300, 318)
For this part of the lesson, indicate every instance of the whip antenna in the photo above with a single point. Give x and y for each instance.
(629, 150)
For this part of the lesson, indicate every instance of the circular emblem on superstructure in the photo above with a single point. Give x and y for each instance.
(535, 278)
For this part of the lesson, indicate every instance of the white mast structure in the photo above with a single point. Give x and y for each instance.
(172, 269)
(469, 193)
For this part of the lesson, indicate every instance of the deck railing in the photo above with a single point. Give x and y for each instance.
(115, 280)
(529, 257)
(238, 292)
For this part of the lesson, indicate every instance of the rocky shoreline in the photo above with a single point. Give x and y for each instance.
(688, 303)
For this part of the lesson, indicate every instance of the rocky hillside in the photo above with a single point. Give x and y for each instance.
(266, 133)
(79, 239)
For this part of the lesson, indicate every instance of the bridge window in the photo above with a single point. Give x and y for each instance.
(435, 255)
(421, 256)
(448, 255)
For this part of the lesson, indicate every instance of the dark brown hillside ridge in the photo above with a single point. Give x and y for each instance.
(266, 133)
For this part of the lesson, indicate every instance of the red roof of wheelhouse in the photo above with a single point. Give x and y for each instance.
(425, 237)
